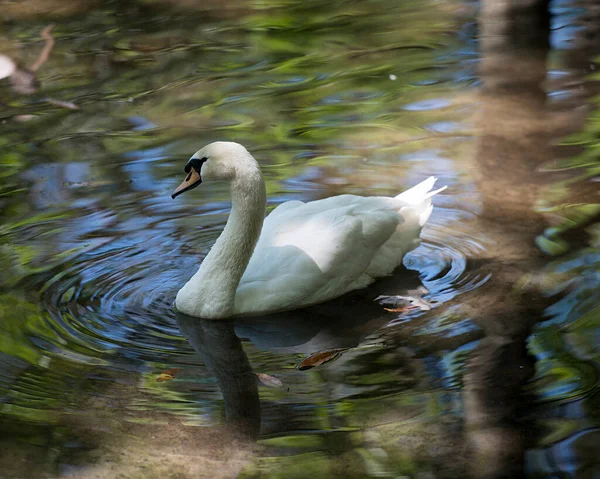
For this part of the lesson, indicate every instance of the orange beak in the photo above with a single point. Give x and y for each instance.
(192, 180)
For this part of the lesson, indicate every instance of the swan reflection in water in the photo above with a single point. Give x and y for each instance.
(223, 355)
(341, 323)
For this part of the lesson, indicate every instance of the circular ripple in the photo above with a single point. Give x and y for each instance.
(444, 255)
(118, 298)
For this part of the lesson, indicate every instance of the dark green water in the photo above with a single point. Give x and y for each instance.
(498, 379)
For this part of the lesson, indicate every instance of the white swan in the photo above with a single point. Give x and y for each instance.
(307, 253)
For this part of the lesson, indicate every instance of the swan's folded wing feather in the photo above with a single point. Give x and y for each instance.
(313, 252)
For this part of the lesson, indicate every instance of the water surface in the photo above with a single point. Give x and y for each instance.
(498, 379)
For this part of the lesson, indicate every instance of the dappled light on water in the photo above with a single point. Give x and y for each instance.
(481, 354)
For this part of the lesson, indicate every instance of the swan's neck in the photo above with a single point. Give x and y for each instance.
(210, 292)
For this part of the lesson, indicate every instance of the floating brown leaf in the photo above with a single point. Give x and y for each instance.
(321, 357)
(269, 381)
(168, 374)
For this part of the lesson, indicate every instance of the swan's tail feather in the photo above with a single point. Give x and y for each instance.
(417, 200)
(414, 206)
(435, 192)
(420, 192)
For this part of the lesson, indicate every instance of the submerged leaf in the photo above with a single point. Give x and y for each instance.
(168, 374)
(269, 381)
(321, 357)
(63, 104)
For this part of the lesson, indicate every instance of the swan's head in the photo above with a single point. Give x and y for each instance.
(221, 160)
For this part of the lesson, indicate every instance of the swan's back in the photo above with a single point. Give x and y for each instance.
(312, 252)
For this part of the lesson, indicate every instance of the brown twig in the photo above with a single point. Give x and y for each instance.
(46, 35)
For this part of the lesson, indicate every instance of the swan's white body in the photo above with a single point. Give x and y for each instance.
(307, 253)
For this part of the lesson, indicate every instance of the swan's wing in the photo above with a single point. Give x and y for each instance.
(312, 252)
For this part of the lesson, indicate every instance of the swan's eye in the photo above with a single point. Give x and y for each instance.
(196, 163)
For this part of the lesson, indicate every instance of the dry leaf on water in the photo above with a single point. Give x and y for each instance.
(321, 357)
(168, 374)
(269, 381)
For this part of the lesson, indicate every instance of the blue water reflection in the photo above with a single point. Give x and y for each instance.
(331, 97)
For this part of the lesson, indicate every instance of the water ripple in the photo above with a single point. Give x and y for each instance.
(117, 296)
